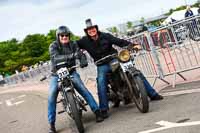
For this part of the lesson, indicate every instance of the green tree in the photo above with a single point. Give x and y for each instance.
(129, 24)
(10, 65)
(74, 37)
(113, 30)
(51, 36)
(142, 20)
(35, 45)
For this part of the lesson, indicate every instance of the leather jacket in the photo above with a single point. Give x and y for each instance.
(102, 46)
(68, 53)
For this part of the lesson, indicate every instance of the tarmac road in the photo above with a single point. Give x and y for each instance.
(26, 112)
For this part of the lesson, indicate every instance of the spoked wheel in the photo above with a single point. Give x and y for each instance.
(75, 111)
(139, 93)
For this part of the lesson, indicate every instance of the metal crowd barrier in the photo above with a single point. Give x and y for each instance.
(173, 49)
(32, 75)
(169, 50)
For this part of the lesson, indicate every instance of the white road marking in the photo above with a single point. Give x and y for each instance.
(168, 125)
(19, 102)
(21, 96)
(1, 103)
(10, 102)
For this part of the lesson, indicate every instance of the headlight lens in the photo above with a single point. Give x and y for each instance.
(124, 55)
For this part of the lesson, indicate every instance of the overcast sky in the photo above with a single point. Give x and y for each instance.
(22, 17)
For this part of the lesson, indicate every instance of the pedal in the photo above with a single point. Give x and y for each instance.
(60, 112)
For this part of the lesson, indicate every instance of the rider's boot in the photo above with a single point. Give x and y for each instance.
(99, 117)
(104, 114)
(127, 101)
(52, 128)
(116, 103)
(157, 97)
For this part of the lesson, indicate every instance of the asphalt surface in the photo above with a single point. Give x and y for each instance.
(26, 112)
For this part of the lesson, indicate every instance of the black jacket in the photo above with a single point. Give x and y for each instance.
(188, 13)
(68, 53)
(103, 46)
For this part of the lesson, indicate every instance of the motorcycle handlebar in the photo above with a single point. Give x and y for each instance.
(106, 57)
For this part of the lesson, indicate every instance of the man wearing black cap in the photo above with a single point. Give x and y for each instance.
(98, 45)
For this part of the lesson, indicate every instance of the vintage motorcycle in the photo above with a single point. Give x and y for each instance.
(125, 83)
(72, 103)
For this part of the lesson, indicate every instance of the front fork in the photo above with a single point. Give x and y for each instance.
(64, 100)
(124, 75)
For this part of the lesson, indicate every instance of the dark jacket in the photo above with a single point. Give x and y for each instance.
(188, 13)
(68, 53)
(103, 46)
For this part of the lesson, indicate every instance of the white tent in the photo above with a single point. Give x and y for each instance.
(179, 15)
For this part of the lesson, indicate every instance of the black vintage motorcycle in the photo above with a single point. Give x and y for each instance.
(73, 103)
(125, 81)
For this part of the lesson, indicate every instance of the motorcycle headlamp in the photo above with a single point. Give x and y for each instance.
(124, 55)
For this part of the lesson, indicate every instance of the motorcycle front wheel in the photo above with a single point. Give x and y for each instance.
(139, 93)
(75, 111)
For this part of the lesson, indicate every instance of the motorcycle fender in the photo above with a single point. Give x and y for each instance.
(66, 89)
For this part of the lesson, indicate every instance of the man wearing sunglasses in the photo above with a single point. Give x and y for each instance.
(98, 45)
(63, 49)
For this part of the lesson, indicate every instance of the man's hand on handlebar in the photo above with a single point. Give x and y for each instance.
(82, 65)
(135, 47)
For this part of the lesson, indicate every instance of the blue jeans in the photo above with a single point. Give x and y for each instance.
(80, 88)
(150, 90)
(102, 83)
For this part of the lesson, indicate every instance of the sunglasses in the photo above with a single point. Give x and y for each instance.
(66, 35)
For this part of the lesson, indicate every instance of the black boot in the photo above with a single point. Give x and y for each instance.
(99, 117)
(127, 101)
(156, 97)
(52, 128)
(104, 114)
(116, 103)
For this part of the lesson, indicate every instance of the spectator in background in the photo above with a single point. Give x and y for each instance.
(173, 20)
(188, 12)
(198, 10)
(24, 68)
(1, 80)
(1, 77)
(16, 71)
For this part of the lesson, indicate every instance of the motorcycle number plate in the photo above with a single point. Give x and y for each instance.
(126, 66)
(62, 72)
